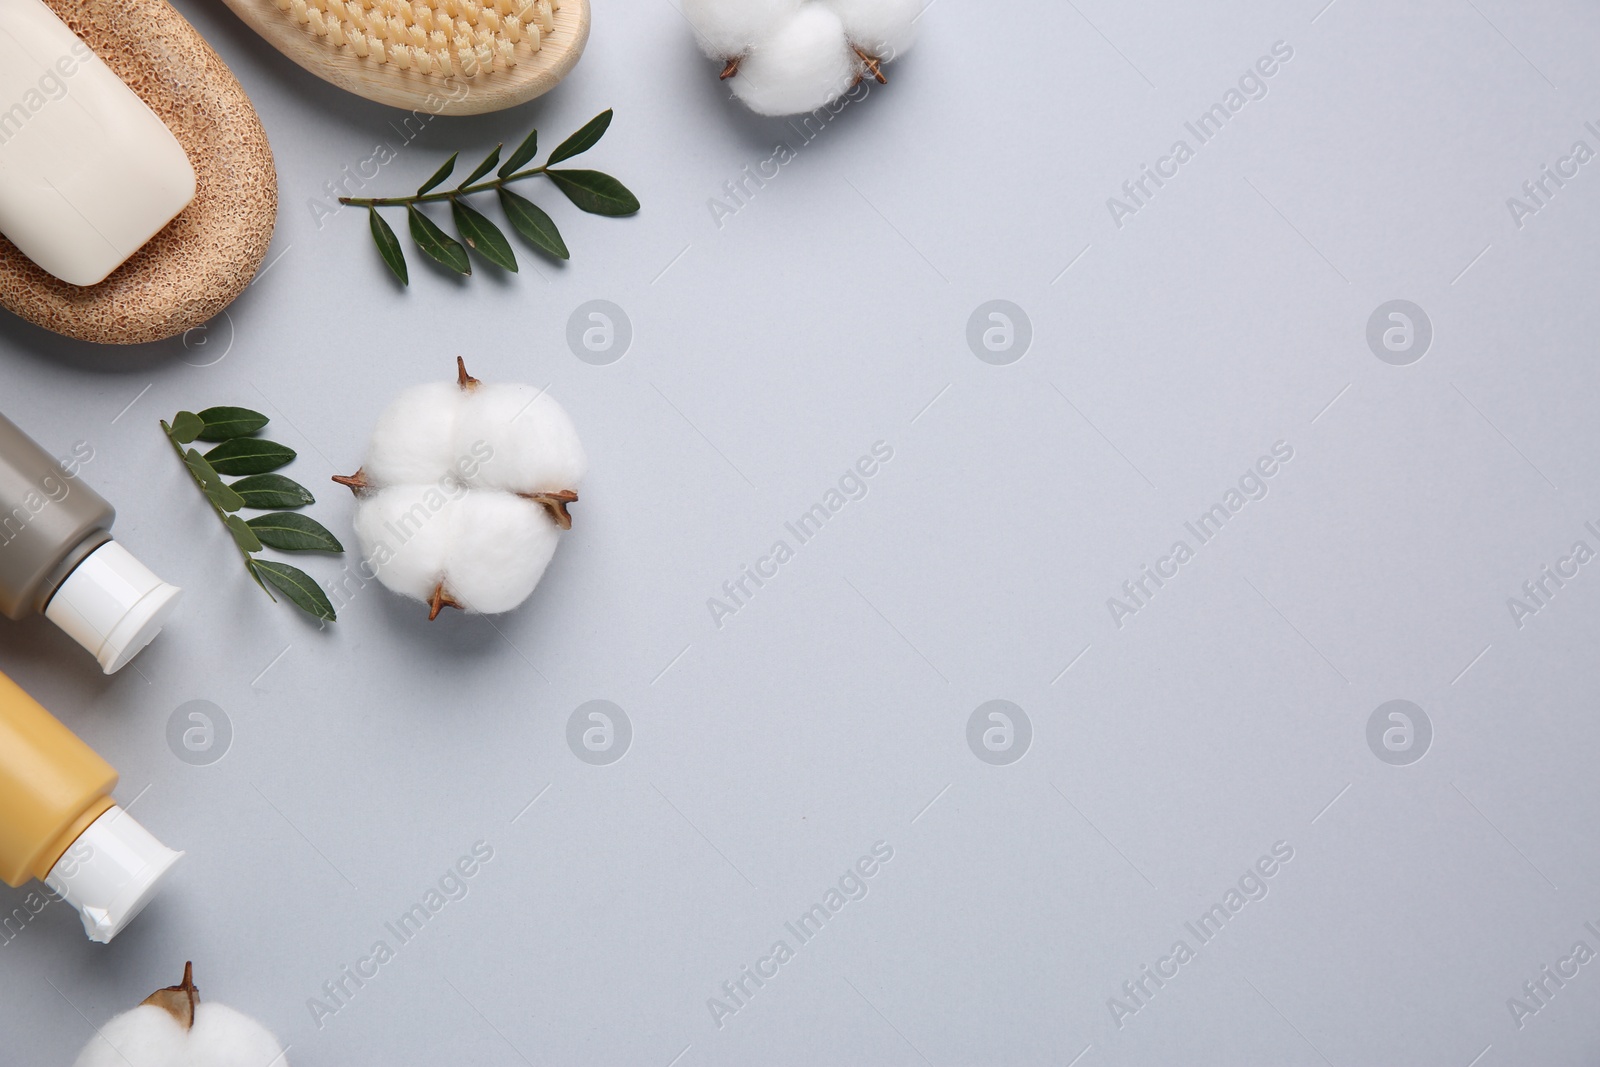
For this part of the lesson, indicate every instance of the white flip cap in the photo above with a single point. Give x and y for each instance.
(111, 872)
(112, 605)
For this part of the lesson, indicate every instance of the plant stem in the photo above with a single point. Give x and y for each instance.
(448, 194)
(249, 560)
(183, 457)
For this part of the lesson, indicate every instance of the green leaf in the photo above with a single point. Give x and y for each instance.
(583, 140)
(297, 585)
(439, 175)
(223, 497)
(483, 236)
(436, 243)
(596, 193)
(388, 246)
(250, 563)
(289, 532)
(483, 168)
(226, 423)
(186, 426)
(532, 223)
(249, 455)
(263, 491)
(243, 535)
(250, 569)
(522, 156)
(214, 487)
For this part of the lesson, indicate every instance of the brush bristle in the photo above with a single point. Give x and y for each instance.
(447, 38)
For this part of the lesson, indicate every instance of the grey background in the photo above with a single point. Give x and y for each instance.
(830, 713)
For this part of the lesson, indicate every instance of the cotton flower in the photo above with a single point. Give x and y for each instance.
(785, 57)
(173, 1029)
(882, 28)
(732, 27)
(416, 436)
(803, 63)
(464, 492)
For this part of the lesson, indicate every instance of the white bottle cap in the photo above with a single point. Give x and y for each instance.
(111, 872)
(112, 605)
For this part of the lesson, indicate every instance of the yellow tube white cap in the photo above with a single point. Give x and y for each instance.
(111, 872)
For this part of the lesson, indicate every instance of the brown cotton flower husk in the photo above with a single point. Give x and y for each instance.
(180, 1000)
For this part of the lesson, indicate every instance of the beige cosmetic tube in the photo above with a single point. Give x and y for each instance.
(58, 823)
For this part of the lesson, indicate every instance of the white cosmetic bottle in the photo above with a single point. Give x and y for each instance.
(88, 173)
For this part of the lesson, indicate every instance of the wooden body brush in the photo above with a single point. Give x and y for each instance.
(442, 57)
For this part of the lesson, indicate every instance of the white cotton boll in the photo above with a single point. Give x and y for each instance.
(446, 510)
(728, 28)
(405, 535)
(223, 1037)
(415, 435)
(149, 1036)
(885, 29)
(804, 63)
(527, 437)
(500, 546)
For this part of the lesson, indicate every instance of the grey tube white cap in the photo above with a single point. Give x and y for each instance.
(112, 605)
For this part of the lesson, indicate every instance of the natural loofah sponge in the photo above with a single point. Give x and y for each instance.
(173, 1029)
(785, 57)
(464, 491)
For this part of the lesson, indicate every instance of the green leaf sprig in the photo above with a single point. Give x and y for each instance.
(590, 190)
(238, 451)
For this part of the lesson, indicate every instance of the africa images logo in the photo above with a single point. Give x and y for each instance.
(50, 87)
(1139, 191)
(853, 884)
(1251, 886)
(1139, 591)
